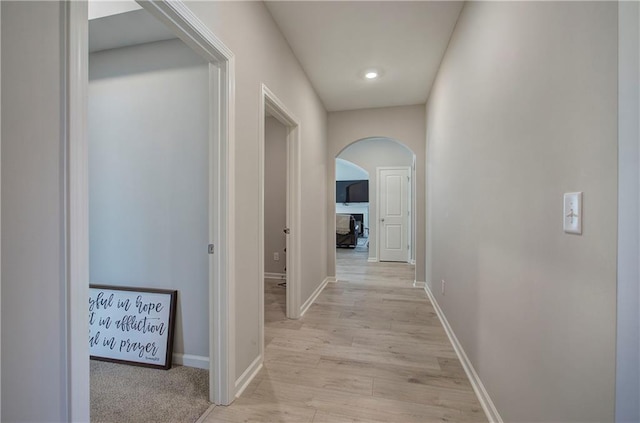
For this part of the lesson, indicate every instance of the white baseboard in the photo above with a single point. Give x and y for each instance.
(271, 275)
(332, 279)
(188, 360)
(483, 396)
(245, 379)
(372, 259)
(417, 284)
(313, 297)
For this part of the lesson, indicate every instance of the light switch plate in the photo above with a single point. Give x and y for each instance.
(572, 222)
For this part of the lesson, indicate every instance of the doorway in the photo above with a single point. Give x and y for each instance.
(275, 218)
(275, 109)
(220, 203)
(371, 154)
(148, 202)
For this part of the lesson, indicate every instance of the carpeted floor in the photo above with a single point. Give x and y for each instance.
(122, 393)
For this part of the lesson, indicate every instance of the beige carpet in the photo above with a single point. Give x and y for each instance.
(121, 393)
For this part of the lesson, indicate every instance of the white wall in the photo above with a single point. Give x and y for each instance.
(405, 124)
(628, 342)
(275, 195)
(524, 109)
(34, 331)
(263, 56)
(148, 178)
(370, 154)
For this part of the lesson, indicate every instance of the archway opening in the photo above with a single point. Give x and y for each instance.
(388, 167)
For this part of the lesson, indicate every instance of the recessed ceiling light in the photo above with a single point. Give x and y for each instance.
(371, 75)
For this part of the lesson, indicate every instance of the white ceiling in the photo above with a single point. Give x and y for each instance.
(115, 24)
(102, 8)
(346, 171)
(335, 41)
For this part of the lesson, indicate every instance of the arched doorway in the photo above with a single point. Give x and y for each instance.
(376, 157)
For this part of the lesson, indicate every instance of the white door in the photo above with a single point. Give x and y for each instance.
(393, 213)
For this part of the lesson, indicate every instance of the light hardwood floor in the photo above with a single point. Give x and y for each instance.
(370, 349)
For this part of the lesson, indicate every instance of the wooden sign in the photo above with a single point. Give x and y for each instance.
(132, 325)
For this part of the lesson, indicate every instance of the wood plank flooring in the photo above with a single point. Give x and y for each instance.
(370, 349)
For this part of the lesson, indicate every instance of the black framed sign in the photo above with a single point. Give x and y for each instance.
(132, 325)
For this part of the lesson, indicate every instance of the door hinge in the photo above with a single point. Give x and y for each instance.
(211, 249)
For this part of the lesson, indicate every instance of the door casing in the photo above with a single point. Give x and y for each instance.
(272, 104)
(407, 206)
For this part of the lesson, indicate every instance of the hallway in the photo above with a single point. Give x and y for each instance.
(371, 349)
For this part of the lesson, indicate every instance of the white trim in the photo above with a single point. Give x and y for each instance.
(412, 262)
(77, 209)
(410, 215)
(483, 396)
(378, 205)
(414, 213)
(313, 297)
(332, 279)
(272, 275)
(223, 340)
(249, 374)
(372, 260)
(331, 213)
(192, 31)
(418, 284)
(188, 360)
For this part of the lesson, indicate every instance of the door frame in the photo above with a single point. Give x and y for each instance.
(181, 20)
(408, 232)
(271, 103)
